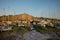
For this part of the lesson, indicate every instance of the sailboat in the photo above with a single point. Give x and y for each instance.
(6, 26)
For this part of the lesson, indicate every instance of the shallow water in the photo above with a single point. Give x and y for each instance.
(30, 35)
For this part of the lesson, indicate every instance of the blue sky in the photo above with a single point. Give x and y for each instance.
(39, 8)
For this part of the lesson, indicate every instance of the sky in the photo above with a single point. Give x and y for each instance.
(37, 8)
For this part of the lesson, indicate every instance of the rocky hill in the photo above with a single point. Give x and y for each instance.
(23, 16)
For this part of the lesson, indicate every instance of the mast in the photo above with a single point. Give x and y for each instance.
(9, 11)
(49, 11)
(3, 13)
(42, 13)
(13, 16)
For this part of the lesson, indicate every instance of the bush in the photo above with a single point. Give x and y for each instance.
(19, 29)
(40, 28)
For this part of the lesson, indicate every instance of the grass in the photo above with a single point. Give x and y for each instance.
(40, 28)
(19, 29)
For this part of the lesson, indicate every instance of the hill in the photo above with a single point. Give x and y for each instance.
(23, 16)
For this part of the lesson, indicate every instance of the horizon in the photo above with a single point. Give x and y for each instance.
(39, 8)
(30, 15)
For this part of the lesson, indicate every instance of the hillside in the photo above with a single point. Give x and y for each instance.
(23, 16)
